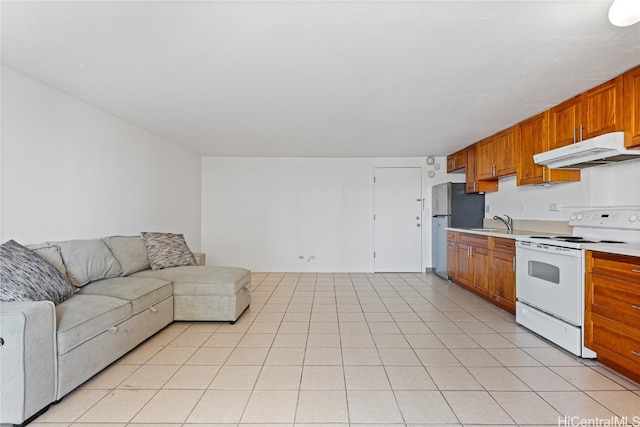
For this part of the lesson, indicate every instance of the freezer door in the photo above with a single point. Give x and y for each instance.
(467, 210)
(440, 200)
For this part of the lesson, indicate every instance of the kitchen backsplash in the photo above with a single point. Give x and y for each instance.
(540, 226)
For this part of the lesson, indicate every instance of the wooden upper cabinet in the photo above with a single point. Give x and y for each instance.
(532, 137)
(564, 124)
(602, 109)
(632, 108)
(457, 161)
(484, 158)
(593, 113)
(471, 180)
(451, 163)
(473, 183)
(496, 156)
(504, 153)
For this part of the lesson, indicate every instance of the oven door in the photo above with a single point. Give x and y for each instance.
(549, 278)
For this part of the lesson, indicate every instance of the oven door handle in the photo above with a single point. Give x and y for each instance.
(575, 253)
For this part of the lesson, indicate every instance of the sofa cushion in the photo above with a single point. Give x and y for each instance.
(130, 252)
(88, 261)
(167, 250)
(51, 254)
(84, 316)
(142, 292)
(26, 276)
(202, 280)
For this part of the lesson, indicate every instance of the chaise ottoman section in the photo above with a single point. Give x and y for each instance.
(206, 292)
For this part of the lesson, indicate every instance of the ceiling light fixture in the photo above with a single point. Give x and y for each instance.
(623, 13)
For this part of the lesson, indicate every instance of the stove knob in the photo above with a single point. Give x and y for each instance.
(633, 217)
(573, 217)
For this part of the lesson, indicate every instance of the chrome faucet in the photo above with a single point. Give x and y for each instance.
(508, 222)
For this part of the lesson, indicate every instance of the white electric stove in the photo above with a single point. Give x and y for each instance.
(550, 274)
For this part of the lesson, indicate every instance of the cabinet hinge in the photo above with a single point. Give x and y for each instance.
(374, 179)
(374, 254)
(374, 217)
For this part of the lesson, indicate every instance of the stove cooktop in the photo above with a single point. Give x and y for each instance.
(601, 226)
(576, 239)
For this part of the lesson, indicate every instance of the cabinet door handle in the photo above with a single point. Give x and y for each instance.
(637, 307)
(514, 263)
(636, 353)
(635, 271)
(574, 134)
(580, 132)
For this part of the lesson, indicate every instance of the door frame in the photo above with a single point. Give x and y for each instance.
(418, 164)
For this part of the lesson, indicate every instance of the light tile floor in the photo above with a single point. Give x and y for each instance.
(347, 350)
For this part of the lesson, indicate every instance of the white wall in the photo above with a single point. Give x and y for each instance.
(264, 212)
(614, 185)
(72, 171)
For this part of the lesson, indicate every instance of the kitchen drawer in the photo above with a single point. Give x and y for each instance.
(473, 239)
(500, 244)
(618, 266)
(614, 298)
(614, 342)
(452, 235)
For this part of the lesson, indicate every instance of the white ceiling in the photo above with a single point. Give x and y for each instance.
(318, 78)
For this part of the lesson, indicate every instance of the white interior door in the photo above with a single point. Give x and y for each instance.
(398, 219)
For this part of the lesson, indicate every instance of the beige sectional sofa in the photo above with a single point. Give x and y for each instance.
(48, 350)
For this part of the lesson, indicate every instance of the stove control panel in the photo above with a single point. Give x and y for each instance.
(626, 219)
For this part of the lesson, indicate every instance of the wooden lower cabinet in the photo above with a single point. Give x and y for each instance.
(452, 236)
(463, 273)
(473, 264)
(612, 311)
(480, 257)
(502, 264)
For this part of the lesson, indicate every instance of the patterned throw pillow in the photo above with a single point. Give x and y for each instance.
(167, 250)
(25, 276)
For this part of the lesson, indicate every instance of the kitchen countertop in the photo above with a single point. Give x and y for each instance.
(498, 232)
(630, 249)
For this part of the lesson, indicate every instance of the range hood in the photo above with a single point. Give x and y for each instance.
(601, 150)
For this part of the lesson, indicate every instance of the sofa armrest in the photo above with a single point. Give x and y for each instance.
(201, 258)
(27, 359)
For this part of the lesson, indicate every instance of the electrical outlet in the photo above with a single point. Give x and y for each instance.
(554, 207)
(487, 209)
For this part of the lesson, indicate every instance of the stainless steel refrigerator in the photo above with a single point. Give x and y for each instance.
(451, 207)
